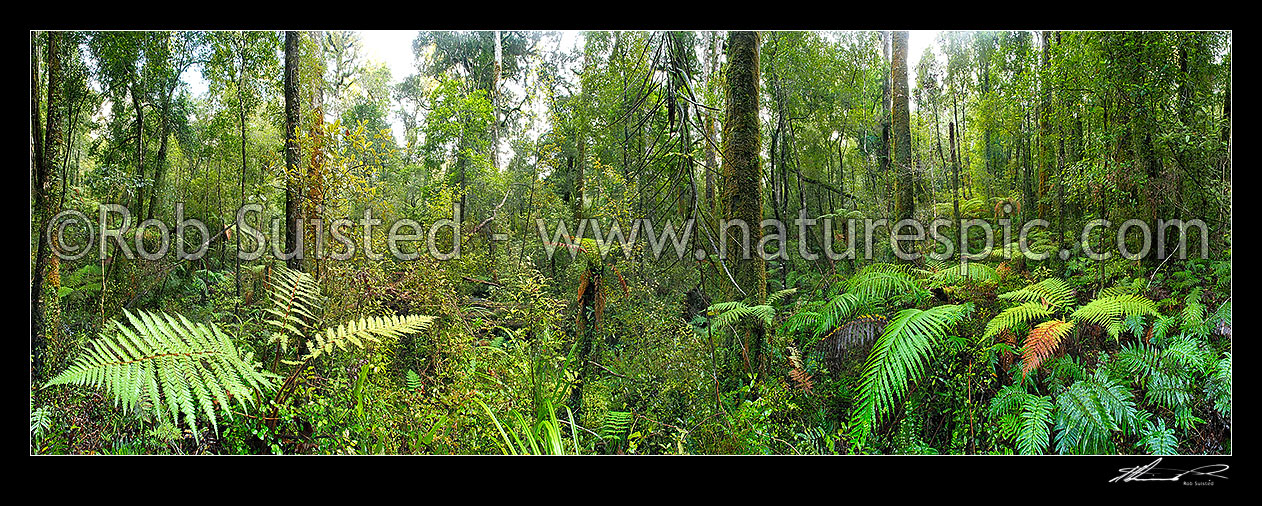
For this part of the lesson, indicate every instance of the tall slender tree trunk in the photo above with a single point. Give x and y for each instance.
(901, 121)
(712, 164)
(313, 183)
(886, 108)
(293, 174)
(236, 257)
(45, 185)
(140, 144)
(160, 161)
(955, 176)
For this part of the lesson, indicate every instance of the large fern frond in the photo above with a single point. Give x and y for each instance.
(1052, 292)
(1042, 342)
(1108, 312)
(899, 358)
(879, 282)
(1014, 316)
(837, 310)
(1090, 411)
(178, 366)
(364, 330)
(976, 272)
(296, 303)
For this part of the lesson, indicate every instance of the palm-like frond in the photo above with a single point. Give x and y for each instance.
(1042, 342)
(1108, 312)
(1012, 317)
(1051, 292)
(898, 358)
(976, 272)
(177, 366)
(296, 303)
(365, 330)
(878, 282)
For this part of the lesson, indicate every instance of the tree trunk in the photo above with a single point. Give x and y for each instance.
(742, 198)
(886, 106)
(901, 122)
(45, 185)
(712, 164)
(955, 176)
(140, 144)
(293, 178)
(160, 162)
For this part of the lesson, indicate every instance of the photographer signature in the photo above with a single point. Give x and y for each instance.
(1151, 472)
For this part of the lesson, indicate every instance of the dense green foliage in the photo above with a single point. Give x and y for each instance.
(526, 341)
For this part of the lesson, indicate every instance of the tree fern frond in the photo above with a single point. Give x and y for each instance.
(1115, 291)
(363, 331)
(837, 310)
(1012, 317)
(296, 302)
(780, 296)
(1051, 292)
(899, 357)
(1042, 342)
(878, 282)
(976, 272)
(181, 367)
(1109, 311)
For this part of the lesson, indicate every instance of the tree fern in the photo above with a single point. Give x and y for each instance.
(838, 310)
(296, 302)
(1109, 311)
(179, 366)
(878, 282)
(858, 332)
(728, 313)
(776, 298)
(1042, 342)
(1013, 317)
(898, 358)
(976, 272)
(363, 331)
(1051, 292)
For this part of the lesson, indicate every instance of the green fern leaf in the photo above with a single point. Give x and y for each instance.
(178, 366)
(899, 357)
